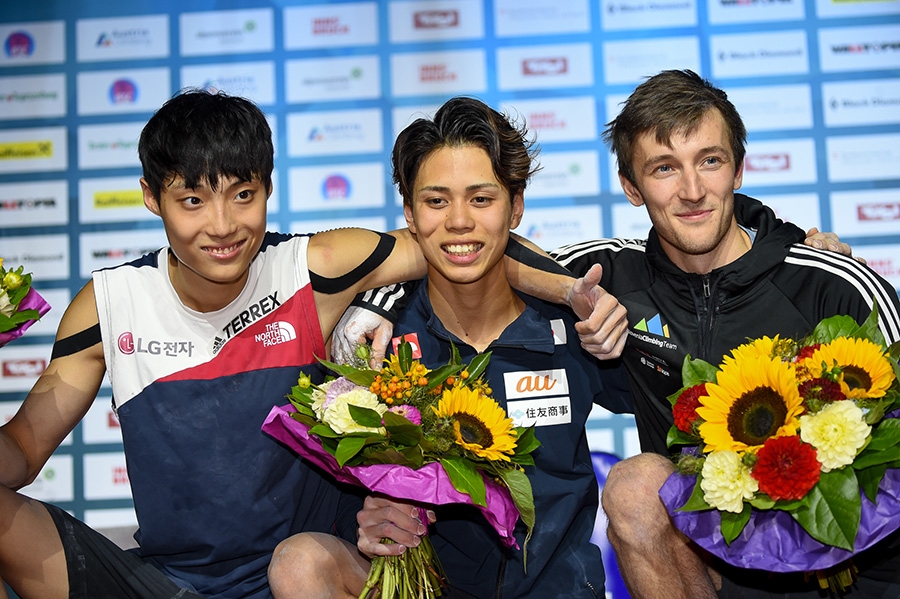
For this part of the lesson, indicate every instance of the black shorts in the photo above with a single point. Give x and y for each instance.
(754, 584)
(100, 569)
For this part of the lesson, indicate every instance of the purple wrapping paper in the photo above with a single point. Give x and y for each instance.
(772, 539)
(429, 484)
(31, 301)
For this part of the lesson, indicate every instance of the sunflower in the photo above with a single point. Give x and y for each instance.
(764, 346)
(864, 372)
(752, 399)
(480, 425)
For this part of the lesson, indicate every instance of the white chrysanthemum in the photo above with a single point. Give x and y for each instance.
(727, 481)
(837, 431)
(337, 414)
(318, 399)
(6, 307)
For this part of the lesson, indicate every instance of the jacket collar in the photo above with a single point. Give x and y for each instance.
(529, 331)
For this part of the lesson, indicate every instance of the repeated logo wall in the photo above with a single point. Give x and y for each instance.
(817, 81)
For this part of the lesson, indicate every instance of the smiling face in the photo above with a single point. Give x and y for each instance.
(213, 234)
(461, 215)
(688, 190)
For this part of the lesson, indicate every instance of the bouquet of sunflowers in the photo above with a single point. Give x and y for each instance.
(20, 305)
(792, 457)
(411, 433)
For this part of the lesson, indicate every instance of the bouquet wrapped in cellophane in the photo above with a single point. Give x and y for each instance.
(411, 433)
(791, 457)
(20, 305)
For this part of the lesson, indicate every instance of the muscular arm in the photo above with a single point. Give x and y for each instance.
(56, 403)
(333, 254)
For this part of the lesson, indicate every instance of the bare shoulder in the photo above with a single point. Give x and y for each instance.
(337, 252)
(81, 313)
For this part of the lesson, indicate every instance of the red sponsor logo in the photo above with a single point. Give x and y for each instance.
(429, 73)
(545, 66)
(878, 212)
(329, 26)
(126, 343)
(767, 162)
(886, 267)
(111, 420)
(413, 340)
(24, 367)
(119, 475)
(435, 19)
(545, 120)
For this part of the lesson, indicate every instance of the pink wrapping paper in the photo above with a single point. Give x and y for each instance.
(429, 484)
(31, 301)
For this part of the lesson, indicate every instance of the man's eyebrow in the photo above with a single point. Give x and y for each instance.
(714, 149)
(473, 187)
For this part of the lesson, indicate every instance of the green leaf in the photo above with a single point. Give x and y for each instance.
(465, 478)
(885, 435)
(388, 455)
(477, 366)
(309, 421)
(323, 431)
(733, 524)
(832, 328)
(870, 478)
(365, 416)
(695, 502)
(832, 511)
(872, 458)
(526, 440)
(347, 448)
(401, 431)
(439, 375)
(695, 372)
(761, 501)
(677, 436)
(404, 355)
(520, 490)
(869, 329)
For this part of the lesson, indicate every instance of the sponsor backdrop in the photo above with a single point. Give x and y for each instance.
(817, 81)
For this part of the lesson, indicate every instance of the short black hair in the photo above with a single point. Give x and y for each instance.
(463, 121)
(201, 136)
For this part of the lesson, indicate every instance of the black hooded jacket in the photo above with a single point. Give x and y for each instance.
(778, 287)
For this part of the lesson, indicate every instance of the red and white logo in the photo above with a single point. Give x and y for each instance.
(767, 162)
(545, 66)
(878, 212)
(126, 343)
(413, 340)
(435, 19)
(24, 367)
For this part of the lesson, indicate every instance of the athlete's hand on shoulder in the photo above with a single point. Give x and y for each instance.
(604, 325)
(831, 242)
(381, 518)
(357, 326)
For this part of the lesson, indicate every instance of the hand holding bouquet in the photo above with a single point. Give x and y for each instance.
(431, 436)
(792, 449)
(20, 305)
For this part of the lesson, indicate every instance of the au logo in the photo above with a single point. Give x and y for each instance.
(654, 326)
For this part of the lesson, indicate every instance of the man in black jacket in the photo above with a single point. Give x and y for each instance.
(717, 268)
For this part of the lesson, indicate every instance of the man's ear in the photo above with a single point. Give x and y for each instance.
(150, 201)
(518, 209)
(739, 177)
(631, 191)
(410, 220)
